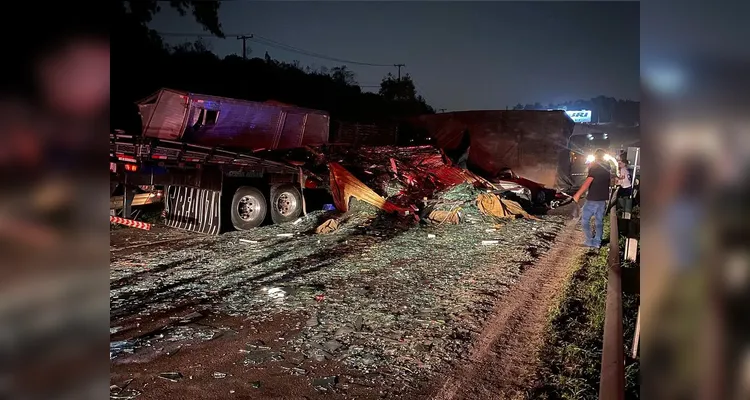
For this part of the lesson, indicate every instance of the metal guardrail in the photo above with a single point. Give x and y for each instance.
(612, 378)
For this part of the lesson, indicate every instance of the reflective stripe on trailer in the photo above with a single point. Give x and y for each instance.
(194, 209)
(130, 222)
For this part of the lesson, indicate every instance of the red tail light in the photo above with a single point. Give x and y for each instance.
(131, 167)
(311, 183)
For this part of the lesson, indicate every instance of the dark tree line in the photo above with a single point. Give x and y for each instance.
(603, 109)
(144, 63)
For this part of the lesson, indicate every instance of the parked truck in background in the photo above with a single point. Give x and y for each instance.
(204, 151)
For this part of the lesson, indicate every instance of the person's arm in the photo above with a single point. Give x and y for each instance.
(583, 189)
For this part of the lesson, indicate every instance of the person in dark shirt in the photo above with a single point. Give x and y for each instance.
(597, 183)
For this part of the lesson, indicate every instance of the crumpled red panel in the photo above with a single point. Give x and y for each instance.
(344, 186)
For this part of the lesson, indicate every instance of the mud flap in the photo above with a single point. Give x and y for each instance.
(193, 209)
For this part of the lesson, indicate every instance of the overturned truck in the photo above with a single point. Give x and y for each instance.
(531, 143)
(204, 150)
(230, 163)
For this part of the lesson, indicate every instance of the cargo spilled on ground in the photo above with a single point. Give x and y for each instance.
(378, 305)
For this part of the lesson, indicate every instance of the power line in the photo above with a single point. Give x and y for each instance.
(282, 46)
(286, 47)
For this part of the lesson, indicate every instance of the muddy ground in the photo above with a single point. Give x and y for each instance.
(382, 308)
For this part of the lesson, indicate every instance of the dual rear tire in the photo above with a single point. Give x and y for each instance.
(250, 207)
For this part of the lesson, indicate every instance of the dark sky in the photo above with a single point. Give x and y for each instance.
(461, 55)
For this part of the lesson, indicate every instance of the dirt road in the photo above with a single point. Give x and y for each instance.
(504, 358)
(378, 309)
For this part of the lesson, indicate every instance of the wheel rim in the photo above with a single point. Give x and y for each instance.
(286, 204)
(249, 208)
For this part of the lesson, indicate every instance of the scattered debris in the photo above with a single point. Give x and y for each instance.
(398, 291)
(326, 383)
(276, 293)
(441, 217)
(121, 392)
(171, 376)
(358, 323)
(332, 345)
(119, 347)
(329, 226)
(191, 317)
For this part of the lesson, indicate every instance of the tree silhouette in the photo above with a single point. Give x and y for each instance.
(603, 109)
(141, 12)
(197, 47)
(146, 64)
(343, 75)
(402, 89)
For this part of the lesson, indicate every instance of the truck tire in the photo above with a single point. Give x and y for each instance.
(286, 203)
(249, 208)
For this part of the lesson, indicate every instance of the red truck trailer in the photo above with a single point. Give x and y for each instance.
(203, 150)
(531, 143)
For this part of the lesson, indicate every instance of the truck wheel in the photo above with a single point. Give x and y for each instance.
(286, 203)
(248, 208)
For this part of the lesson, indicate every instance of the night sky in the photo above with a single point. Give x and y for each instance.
(461, 55)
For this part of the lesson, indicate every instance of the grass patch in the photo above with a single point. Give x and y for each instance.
(570, 357)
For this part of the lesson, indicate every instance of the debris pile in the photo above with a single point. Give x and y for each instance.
(405, 175)
(418, 180)
(395, 284)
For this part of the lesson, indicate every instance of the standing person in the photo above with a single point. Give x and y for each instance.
(597, 183)
(623, 178)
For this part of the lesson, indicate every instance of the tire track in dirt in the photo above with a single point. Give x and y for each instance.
(503, 360)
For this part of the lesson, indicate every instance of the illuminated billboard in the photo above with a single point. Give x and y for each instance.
(580, 115)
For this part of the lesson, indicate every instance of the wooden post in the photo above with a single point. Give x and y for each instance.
(612, 378)
(631, 249)
(637, 333)
(128, 193)
(302, 190)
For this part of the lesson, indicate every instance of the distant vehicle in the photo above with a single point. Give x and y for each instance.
(582, 148)
(204, 150)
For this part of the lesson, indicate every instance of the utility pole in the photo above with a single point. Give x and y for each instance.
(244, 46)
(399, 69)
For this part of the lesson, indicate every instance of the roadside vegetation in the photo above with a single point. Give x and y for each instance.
(570, 357)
